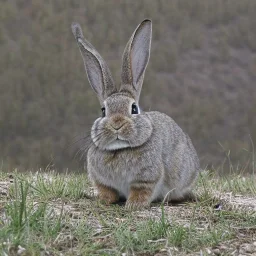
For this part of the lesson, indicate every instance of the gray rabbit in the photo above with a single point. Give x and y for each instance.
(141, 156)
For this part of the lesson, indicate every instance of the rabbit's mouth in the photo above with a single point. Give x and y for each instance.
(117, 144)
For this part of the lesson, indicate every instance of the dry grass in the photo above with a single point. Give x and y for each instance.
(56, 214)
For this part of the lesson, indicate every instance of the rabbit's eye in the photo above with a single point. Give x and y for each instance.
(134, 109)
(103, 112)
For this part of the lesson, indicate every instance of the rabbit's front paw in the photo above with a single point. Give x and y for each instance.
(139, 198)
(106, 194)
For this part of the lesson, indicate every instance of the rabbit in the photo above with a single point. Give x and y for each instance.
(142, 157)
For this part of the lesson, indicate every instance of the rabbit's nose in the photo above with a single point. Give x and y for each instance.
(117, 126)
(117, 122)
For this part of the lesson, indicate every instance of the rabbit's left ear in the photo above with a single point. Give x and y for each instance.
(135, 59)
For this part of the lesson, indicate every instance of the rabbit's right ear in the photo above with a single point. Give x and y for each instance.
(135, 59)
(97, 70)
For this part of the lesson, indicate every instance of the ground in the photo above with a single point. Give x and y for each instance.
(55, 214)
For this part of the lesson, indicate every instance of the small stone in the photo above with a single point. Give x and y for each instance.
(216, 251)
(241, 251)
(249, 248)
(20, 250)
(208, 251)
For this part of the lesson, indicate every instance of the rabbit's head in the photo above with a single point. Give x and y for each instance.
(122, 124)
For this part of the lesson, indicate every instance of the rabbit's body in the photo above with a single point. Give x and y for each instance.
(140, 156)
(168, 160)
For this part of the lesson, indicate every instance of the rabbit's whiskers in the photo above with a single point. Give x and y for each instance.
(87, 141)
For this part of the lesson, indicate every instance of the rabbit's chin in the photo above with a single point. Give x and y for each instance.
(117, 144)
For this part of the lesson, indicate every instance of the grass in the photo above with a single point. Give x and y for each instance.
(53, 214)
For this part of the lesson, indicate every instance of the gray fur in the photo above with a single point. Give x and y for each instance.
(160, 152)
(97, 70)
(139, 150)
(135, 59)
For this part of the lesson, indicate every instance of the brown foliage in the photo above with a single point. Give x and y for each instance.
(201, 72)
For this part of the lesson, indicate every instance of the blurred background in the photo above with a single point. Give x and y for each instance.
(202, 73)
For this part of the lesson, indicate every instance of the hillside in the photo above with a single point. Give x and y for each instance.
(202, 72)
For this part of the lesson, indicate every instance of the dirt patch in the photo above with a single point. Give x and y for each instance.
(237, 201)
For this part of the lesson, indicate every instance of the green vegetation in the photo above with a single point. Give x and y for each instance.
(52, 214)
(202, 73)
